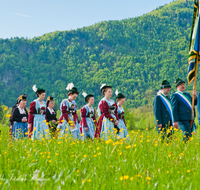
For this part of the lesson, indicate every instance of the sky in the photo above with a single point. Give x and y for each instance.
(30, 18)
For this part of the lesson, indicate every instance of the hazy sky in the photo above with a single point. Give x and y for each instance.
(29, 18)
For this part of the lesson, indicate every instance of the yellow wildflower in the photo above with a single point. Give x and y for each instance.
(148, 178)
(129, 146)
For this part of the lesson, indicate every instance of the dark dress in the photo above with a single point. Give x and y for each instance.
(20, 129)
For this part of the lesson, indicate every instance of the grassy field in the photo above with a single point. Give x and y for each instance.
(144, 162)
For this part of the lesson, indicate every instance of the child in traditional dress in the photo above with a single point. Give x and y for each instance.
(123, 133)
(88, 120)
(37, 116)
(51, 115)
(20, 118)
(108, 116)
(69, 123)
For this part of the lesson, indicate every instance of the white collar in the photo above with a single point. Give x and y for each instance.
(21, 110)
(51, 110)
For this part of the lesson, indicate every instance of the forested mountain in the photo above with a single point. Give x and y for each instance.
(133, 55)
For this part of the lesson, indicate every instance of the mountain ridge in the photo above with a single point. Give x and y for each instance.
(133, 55)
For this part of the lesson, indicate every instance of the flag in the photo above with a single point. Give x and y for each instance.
(194, 43)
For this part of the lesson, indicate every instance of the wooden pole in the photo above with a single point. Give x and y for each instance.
(194, 88)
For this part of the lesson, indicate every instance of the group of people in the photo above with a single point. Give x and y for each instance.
(175, 112)
(41, 119)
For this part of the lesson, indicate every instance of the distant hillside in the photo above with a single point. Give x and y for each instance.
(133, 55)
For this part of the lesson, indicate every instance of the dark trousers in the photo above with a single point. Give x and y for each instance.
(165, 131)
(185, 127)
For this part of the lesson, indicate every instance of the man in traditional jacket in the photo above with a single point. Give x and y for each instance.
(163, 110)
(182, 108)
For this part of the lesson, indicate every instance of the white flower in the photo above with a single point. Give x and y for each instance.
(34, 88)
(70, 86)
(116, 92)
(102, 86)
(84, 94)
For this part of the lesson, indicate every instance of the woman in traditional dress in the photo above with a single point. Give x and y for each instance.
(11, 118)
(108, 117)
(69, 123)
(51, 115)
(123, 133)
(37, 116)
(20, 118)
(88, 120)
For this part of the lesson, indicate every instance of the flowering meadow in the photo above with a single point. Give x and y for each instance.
(143, 162)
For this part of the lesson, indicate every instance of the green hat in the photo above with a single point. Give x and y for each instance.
(37, 90)
(119, 95)
(103, 86)
(87, 96)
(71, 88)
(74, 90)
(165, 84)
(179, 82)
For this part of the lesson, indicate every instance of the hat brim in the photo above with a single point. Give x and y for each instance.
(74, 91)
(106, 87)
(166, 86)
(179, 83)
(88, 96)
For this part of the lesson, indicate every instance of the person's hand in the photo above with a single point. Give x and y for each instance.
(54, 121)
(86, 129)
(24, 120)
(175, 124)
(11, 127)
(194, 93)
(160, 126)
(116, 122)
(29, 127)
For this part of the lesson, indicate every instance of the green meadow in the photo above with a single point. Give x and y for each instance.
(143, 162)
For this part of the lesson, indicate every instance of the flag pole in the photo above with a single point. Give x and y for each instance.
(194, 87)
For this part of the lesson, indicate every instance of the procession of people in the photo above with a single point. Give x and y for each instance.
(42, 120)
(175, 112)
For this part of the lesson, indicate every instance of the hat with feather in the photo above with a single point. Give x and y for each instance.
(119, 95)
(103, 86)
(72, 88)
(87, 96)
(37, 90)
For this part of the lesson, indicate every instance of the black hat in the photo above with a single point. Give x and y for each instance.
(119, 95)
(165, 84)
(179, 82)
(23, 97)
(103, 86)
(87, 96)
(50, 98)
(71, 88)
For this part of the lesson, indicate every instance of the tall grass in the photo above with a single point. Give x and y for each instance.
(144, 162)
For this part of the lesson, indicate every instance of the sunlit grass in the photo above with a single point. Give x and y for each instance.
(143, 162)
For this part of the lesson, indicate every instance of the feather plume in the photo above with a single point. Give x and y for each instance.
(84, 94)
(102, 86)
(116, 92)
(159, 92)
(34, 88)
(70, 86)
